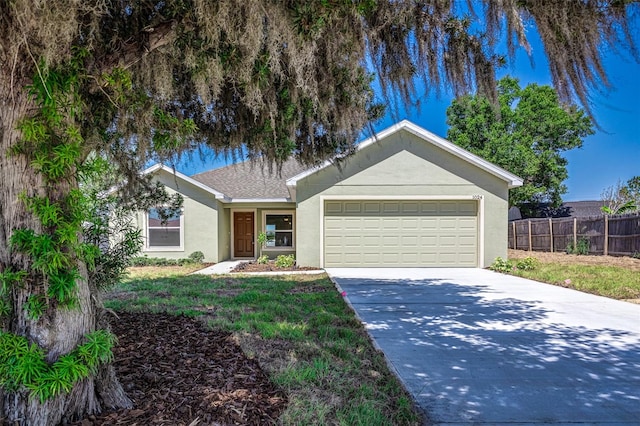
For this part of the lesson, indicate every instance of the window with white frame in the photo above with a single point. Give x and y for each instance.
(164, 235)
(278, 227)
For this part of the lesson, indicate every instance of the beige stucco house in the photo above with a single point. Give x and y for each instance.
(406, 198)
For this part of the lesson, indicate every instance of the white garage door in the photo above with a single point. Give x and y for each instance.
(401, 233)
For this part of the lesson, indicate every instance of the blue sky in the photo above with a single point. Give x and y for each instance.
(611, 154)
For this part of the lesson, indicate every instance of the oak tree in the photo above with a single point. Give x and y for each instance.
(526, 134)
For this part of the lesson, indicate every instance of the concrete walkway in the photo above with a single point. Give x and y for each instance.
(227, 266)
(219, 268)
(477, 347)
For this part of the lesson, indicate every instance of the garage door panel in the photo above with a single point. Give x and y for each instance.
(391, 207)
(371, 223)
(409, 241)
(400, 233)
(468, 208)
(467, 223)
(448, 223)
(410, 207)
(390, 241)
(429, 207)
(410, 223)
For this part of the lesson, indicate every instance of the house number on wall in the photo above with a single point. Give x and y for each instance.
(477, 197)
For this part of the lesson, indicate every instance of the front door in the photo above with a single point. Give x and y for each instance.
(243, 234)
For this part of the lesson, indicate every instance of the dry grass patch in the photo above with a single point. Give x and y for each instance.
(614, 277)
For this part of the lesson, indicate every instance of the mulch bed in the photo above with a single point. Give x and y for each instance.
(178, 372)
(268, 267)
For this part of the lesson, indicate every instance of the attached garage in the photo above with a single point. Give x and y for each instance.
(405, 198)
(401, 233)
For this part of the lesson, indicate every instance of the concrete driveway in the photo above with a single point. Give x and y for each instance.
(474, 346)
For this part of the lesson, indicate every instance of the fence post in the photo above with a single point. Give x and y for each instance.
(575, 232)
(530, 248)
(606, 234)
(551, 233)
(515, 235)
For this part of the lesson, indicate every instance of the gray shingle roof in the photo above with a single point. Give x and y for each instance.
(251, 180)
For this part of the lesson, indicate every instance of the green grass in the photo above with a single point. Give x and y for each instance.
(610, 281)
(299, 329)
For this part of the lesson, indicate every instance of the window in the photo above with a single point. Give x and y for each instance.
(279, 230)
(164, 235)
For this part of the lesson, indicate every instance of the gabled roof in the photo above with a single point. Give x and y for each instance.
(427, 136)
(251, 181)
(157, 167)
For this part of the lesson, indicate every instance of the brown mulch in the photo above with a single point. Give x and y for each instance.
(178, 372)
(268, 267)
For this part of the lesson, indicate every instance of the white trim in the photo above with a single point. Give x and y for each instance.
(479, 215)
(293, 230)
(512, 180)
(145, 230)
(481, 232)
(160, 166)
(258, 200)
(255, 232)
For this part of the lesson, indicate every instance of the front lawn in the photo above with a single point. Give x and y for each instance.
(298, 328)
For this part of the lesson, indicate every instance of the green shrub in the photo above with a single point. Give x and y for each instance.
(527, 264)
(263, 260)
(580, 248)
(159, 261)
(285, 261)
(196, 257)
(501, 265)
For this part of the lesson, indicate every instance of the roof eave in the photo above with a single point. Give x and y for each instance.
(258, 200)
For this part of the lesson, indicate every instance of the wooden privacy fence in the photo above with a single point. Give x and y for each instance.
(609, 235)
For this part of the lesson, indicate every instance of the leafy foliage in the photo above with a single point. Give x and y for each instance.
(527, 264)
(161, 261)
(285, 261)
(581, 247)
(506, 266)
(501, 265)
(196, 257)
(526, 136)
(23, 365)
(622, 198)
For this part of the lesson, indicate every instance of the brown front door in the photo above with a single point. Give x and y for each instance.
(243, 234)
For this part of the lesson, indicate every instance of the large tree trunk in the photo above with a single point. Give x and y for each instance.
(58, 331)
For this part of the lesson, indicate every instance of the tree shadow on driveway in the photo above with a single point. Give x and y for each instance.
(471, 353)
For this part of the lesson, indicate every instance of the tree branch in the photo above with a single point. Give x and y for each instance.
(151, 39)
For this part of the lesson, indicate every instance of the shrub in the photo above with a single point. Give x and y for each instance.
(501, 265)
(158, 261)
(263, 260)
(580, 248)
(527, 264)
(285, 261)
(196, 257)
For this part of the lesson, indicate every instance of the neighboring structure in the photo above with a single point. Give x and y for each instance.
(566, 209)
(406, 198)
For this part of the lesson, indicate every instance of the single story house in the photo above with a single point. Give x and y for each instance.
(405, 198)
